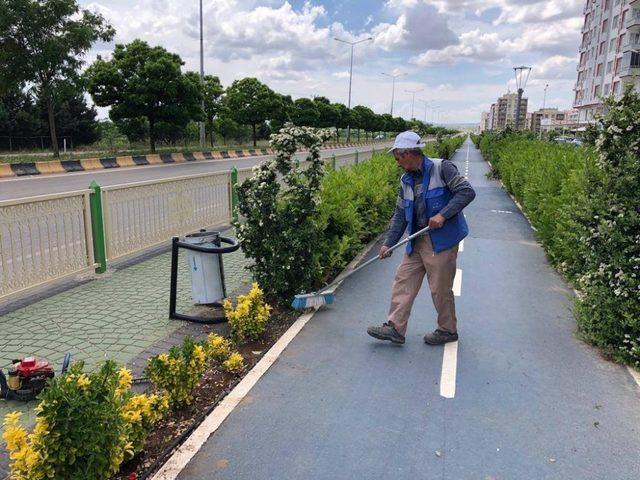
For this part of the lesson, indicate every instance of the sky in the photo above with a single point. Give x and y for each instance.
(459, 53)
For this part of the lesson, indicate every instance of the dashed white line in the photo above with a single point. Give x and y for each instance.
(461, 246)
(449, 368)
(457, 283)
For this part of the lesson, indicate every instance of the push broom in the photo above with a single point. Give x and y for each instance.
(322, 297)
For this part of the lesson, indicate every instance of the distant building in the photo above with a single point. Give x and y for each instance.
(491, 121)
(484, 121)
(545, 113)
(563, 121)
(505, 111)
(609, 54)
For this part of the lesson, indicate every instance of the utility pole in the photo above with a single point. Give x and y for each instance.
(351, 74)
(544, 102)
(202, 132)
(393, 87)
(426, 108)
(413, 98)
(522, 75)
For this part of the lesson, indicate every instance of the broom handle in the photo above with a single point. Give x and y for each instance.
(377, 257)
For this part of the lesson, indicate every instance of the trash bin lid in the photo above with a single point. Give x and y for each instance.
(201, 238)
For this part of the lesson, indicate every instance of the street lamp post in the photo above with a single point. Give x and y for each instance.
(544, 102)
(426, 108)
(413, 98)
(393, 87)
(522, 75)
(351, 74)
(202, 132)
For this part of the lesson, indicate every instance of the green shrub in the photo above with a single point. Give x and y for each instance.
(356, 204)
(248, 320)
(178, 372)
(584, 204)
(234, 364)
(80, 431)
(279, 232)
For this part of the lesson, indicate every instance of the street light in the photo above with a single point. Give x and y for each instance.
(393, 87)
(426, 108)
(413, 97)
(351, 73)
(522, 75)
(202, 133)
(544, 102)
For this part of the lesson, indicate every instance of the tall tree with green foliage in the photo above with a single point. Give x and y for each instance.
(251, 102)
(305, 113)
(212, 91)
(42, 43)
(144, 82)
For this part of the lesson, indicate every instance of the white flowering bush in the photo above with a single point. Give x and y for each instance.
(279, 232)
(609, 307)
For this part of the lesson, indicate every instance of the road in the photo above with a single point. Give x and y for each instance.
(19, 187)
(518, 397)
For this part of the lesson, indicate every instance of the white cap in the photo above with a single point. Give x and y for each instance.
(408, 139)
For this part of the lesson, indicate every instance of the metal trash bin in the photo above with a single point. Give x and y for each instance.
(207, 275)
(204, 254)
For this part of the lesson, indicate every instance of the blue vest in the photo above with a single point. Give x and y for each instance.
(436, 195)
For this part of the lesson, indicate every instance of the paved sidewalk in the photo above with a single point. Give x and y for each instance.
(123, 316)
(531, 403)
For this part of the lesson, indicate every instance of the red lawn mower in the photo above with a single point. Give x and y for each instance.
(26, 378)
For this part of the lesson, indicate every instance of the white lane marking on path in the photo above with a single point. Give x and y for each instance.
(501, 211)
(635, 375)
(457, 283)
(461, 247)
(190, 447)
(449, 368)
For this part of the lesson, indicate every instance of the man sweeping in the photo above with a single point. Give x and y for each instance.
(432, 193)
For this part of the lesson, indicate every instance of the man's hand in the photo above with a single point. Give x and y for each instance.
(384, 252)
(436, 221)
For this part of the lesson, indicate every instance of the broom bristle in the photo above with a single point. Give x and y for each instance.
(311, 300)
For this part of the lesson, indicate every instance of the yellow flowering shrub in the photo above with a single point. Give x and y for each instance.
(142, 412)
(234, 364)
(178, 372)
(218, 347)
(70, 440)
(248, 320)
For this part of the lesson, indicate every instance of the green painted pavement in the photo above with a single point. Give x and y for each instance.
(117, 316)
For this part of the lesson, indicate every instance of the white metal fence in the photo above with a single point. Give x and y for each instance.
(42, 239)
(48, 238)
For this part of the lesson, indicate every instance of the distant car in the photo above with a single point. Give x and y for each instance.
(561, 139)
(576, 141)
(378, 137)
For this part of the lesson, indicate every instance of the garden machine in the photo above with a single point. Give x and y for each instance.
(26, 378)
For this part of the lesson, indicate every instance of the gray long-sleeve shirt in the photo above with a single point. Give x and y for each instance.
(461, 189)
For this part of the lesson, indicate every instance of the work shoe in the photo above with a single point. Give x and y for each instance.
(439, 337)
(386, 332)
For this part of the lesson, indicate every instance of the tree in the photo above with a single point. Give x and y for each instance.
(251, 102)
(343, 118)
(305, 113)
(328, 112)
(74, 118)
(41, 44)
(282, 112)
(143, 82)
(363, 118)
(212, 91)
(224, 124)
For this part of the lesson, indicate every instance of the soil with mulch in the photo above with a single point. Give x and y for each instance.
(215, 385)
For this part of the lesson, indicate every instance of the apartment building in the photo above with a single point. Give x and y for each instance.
(553, 114)
(484, 121)
(609, 54)
(506, 107)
